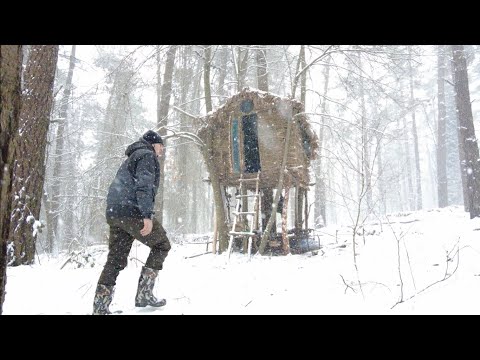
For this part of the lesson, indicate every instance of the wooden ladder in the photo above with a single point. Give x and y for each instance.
(254, 215)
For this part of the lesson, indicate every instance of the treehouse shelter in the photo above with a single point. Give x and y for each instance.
(258, 146)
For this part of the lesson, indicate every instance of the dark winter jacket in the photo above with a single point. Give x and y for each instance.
(132, 192)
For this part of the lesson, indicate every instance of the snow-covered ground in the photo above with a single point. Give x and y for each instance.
(429, 259)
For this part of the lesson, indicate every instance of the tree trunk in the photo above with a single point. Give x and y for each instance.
(162, 121)
(303, 97)
(366, 174)
(10, 87)
(299, 68)
(199, 206)
(221, 91)
(29, 174)
(262, 68)
(442, 183)
(220, 215)
(241, 64)
(59, 153)
(381, 180)
(418, 175)
(181, 189)
(455, 157)
(467, 129)
(285, 240)
(220, 221)
(303, 80)
(463, 165)
(455, 134)
(206, 79)
(408, 170)
(320, 193)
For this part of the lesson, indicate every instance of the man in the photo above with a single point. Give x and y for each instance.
(129, 213)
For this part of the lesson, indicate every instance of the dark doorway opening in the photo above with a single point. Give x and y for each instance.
(250, 143)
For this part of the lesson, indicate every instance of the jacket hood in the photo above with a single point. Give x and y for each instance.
(137, 145)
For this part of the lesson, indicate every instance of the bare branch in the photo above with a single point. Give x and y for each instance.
(446, 276)
(347, 286)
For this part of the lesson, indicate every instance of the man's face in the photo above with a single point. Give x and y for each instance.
(159, 149)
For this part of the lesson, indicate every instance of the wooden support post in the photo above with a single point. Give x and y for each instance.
(214, 242)
(245, 219)
(297, 212)
(306, 210)
(299, 199)
(285, 241)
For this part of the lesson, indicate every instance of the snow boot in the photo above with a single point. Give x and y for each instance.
(146, 282)
(102, 300)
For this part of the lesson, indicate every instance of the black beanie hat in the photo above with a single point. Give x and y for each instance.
(152, 137)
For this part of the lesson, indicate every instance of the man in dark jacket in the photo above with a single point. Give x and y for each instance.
(129, 213)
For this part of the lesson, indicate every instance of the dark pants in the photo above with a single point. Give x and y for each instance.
(122, 233)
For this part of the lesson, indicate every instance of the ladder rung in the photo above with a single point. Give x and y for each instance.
(245, 196)
(241, 233)
(248, 179)
(243, 212)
